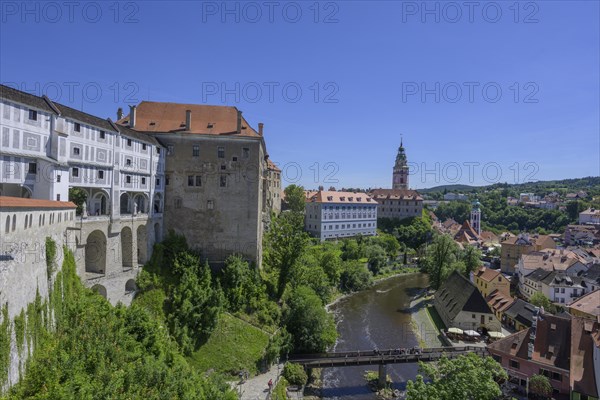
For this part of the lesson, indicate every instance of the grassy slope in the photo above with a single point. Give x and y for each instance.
(233, 346)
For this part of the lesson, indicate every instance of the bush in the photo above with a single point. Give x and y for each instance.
(295, 374)
(355, 277)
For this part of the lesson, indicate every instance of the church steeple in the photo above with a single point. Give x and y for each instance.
(400, 175)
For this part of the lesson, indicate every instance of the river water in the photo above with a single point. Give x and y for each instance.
(373, 319)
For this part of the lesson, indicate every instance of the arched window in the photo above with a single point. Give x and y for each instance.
(26, 221)
(7, 228)
(14, 224)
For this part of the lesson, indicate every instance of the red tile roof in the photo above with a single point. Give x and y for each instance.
(160, 117)
(323, 196)
(589, 303)
(582, 356)
(395, 194)
(487, 274)
(19, 202)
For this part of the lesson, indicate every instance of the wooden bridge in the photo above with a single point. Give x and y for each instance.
(382, 357)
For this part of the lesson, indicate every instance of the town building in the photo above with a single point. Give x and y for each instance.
(499, 302)
(400, 172)
(489, 280)
(49, 149)
(589, 216)
(544, 348)
(581, 235)
(334, 215)
(455, 196)
(519, 315)
(467, 235)
(585, 359)
(273, 187)
(532, 283)
(216, 175)
(561, 288)
(514, 247)
(461, 305)
(397, 203)
(591, 277)
(476, 217)
(564, 260)
(587, 306)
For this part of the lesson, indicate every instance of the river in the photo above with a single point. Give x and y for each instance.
(375, 318)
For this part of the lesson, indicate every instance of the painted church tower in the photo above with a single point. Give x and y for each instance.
(400, 176)
(476, 217)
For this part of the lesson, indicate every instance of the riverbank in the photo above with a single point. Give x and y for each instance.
(421, 322)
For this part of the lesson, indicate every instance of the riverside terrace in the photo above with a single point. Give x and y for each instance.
(382, 357)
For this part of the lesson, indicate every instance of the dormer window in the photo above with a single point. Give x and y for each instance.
(343, 198)
(329, 198)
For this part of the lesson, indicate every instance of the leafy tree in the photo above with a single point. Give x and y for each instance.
(540, 386)
(311, 327)
(241, 285)
(467, 377)
(351, 250)
(574, 208)
(78, 196)
(413, 232)
(285, 243)
(377, 258)
(295, 374)
(440, 255)
(355, 277)
(195, 302)
(459, 211)
(471, 257)
(539, 299)
(331, 262)
(295, 198)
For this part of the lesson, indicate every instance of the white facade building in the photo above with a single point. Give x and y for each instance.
(589, 216)
(333, 215)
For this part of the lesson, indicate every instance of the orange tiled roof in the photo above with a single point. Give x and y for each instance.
(19, 202)
(589, 303)
(487, 274)
(271, 166)
(395, 194)
(323, 196)
(161, 117)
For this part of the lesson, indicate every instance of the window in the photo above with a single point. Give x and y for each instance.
(33, 115)
(75, 172)
(166, 179)
(143, 180)
(221, 152)
(128, 162)
(170, 149)
(223, 167)
(190, 180)
(223, 181)
(58, 197)
(57, 178)
(245, 152)
(234, 159)
(209, 204)
(198, 180)
(129, 142)
(128, 179)
(473, 316)
(157, 182)
(102, 135)
(497, 358)
(76, 151)
(143, 146)
(157, 150)
(196, 151)
(514, 364)
(178, 203)
(32, 168)
(100, 174)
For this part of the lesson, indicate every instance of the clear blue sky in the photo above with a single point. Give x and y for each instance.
(368, 72)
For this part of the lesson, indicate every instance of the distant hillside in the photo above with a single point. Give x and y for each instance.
(588, 183)
(451, 188)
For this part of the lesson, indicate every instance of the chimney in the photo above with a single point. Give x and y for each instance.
(119, 113)
(260, 128)
(239, 122)
(188, 120)
(132, 110)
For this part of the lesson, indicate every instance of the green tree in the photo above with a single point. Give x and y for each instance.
(285, 243)
(540, 386)
(295, 198)
(242, 285)
(471, 256)
(351, 250)
(467, 377)
(295, 374)
(377, 258)
(574, 208)
(440, 255)
(311, 327)
(539, 299)
(355, 277)
(195, 302)
(78, 196)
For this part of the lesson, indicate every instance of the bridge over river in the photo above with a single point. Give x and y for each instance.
(382, 357)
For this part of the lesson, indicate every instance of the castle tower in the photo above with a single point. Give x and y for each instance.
(476, 217)
(400, 176)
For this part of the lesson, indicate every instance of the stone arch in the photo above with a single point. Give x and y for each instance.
(130, 286)
(157, 203)
(141, 201)
(157, 235)
(95, 252)
(124, 206)
(142, 244)
(99, 203)
(127, 247)
(101, 290)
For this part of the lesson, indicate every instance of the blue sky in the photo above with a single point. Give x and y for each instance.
(500, 92)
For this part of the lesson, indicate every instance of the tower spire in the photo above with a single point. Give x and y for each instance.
(400, 174)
